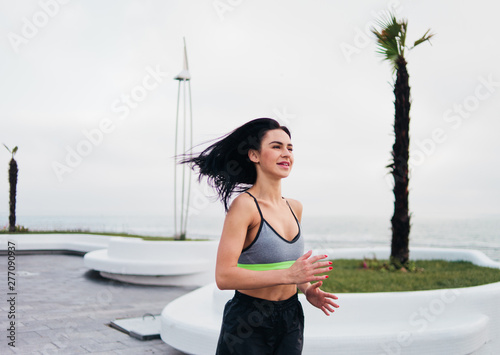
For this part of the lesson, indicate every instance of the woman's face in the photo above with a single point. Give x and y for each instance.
(276, 153)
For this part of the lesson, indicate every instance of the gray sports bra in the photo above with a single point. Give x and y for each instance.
(269, 250)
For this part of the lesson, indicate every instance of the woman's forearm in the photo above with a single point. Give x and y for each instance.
(303, 287)
(236, 278)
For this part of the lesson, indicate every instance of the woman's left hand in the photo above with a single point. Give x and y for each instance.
(320, 299)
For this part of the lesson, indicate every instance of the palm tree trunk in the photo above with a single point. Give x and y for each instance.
(12, 195)
(401, 218)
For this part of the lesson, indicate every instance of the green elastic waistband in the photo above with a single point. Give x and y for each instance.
(270, 266)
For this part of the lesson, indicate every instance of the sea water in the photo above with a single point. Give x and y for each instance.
(481, 233)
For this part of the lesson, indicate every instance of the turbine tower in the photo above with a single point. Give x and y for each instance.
(185, 141)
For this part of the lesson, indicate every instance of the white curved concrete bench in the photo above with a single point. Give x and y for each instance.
(71, 243)
(450, 321)
(178, 263)
(474, 256)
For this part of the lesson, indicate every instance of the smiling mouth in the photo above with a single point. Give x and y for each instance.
(285, 164)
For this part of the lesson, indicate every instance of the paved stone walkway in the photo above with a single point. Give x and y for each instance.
(64, 308)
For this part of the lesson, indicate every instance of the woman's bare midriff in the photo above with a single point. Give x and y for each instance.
(274, 293)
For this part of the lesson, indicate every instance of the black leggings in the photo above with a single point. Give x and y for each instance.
(256, 326)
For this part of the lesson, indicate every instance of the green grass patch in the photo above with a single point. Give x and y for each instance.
(83, 231)
(353, 276)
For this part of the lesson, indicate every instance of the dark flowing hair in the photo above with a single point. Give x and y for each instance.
(226, 164)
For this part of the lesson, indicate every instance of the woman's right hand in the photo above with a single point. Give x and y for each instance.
(305, 268)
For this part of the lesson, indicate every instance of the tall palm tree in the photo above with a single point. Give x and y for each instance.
(391, 41)
(13, 170)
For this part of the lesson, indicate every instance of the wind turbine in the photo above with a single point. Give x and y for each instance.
(184, 79)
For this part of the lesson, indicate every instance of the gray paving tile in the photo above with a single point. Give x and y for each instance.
(5, 349)
(28, 349)
(29, 337)
(146, 350)
(94, 347)
(63, 308)
(71, 349)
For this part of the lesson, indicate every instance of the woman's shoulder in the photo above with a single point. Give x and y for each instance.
(296, 206)
(243, 210)
(294, 202)
(242, 202)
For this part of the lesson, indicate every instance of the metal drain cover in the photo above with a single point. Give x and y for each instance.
(146, 327)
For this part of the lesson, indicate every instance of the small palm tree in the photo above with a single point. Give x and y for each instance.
(391, 41)
(13, 170)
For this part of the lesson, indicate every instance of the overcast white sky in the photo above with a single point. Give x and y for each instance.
(64, 69)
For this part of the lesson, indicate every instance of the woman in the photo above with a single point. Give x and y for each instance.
(261, 254)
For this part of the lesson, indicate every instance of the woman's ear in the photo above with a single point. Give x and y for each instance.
(253, 155)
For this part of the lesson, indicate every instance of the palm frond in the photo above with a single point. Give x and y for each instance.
(391, 38)
(389, 35)
(424, 38)
(390, 25)
(13, 151)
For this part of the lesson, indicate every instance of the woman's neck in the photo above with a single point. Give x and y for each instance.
(267, 190)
